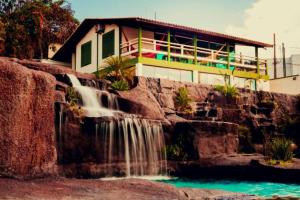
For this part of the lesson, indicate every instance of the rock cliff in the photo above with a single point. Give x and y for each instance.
(27, 137)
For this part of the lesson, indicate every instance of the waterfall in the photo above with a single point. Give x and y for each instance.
(135, 143)
(123, 142)
(91, 98)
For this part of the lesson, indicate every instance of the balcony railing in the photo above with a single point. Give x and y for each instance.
(161, 50)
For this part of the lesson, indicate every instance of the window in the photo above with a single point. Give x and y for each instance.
(108, 44)
(86, 54)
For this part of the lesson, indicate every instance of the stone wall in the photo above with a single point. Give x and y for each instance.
(165, 91)
(27, 137)
(250, 109)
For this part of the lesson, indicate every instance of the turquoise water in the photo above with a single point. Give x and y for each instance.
(263, 189)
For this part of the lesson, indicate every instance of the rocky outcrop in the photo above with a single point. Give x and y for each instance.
(150, 108)
(27, 137)
(207, 138)
(133, 189)
(252, 167)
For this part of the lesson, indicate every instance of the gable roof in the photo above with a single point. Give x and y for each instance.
(65, 52)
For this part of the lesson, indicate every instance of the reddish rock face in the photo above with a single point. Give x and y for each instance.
(208, 139)
(150, 108)
(27, 138)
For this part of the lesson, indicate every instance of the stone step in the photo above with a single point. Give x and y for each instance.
(204, 118)
(206, 113)
(260, 110)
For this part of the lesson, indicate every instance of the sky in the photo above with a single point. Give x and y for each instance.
(253, 19)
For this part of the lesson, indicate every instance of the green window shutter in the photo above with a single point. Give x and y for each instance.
(86, 54)
(108, 44)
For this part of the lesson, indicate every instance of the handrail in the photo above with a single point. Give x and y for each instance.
(187, 51)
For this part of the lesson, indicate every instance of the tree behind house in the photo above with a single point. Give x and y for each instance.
(30, 26)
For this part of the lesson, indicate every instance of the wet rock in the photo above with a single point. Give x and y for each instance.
(27, 138)
(60, 96)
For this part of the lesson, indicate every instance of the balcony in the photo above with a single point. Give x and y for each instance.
(193, 57)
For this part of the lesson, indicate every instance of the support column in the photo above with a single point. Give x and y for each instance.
(267, 68)
(139, 69)
(195, 40)
(169, 45)
(195, 76)
(140, 35)
(257, 60)
(228, 55)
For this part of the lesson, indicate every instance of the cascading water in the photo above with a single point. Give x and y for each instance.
(136, 142)
(91, 99)
(122, 141)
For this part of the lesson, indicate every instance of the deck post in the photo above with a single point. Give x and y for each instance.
(140, 35)
(195, 40)
(267, 69)
(169, 45)
(228, 55)
(257, 60)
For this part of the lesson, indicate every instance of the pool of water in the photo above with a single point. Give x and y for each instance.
(263, 189)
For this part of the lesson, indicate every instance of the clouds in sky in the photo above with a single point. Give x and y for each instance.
(266, 17)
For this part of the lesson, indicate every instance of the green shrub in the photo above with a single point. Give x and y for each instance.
(183, 100)
(245, 140)
(227, 90)
(175, 152)
(72, 96)
(120, 85)
(280, 149)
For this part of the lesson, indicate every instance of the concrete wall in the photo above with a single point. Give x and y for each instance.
(292, 66)
(288, 85)
(164, 73)
(52, 49)
(92, 36)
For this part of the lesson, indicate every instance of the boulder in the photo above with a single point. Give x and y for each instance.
(27, 137)
(141, 95)
(166, 101)
(207, 138)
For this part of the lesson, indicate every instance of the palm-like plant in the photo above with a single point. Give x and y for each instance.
(117, 68)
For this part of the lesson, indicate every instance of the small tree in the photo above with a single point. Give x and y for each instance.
(119, 70)
(183, 100)
(227, 90)
(281, 149)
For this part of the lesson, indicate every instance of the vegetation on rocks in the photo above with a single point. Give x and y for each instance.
(183, 100)
(73, 98)
(181, 148)
(245, 140)
(280, 149)
(121, 85)
(119, 71)
(175, 152)
(227, 90)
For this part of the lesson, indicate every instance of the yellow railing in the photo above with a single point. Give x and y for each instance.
(158, 49)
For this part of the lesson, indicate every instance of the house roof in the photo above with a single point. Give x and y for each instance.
(65, 52)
